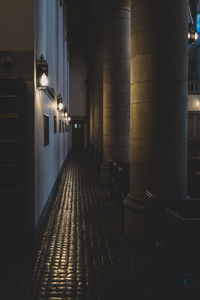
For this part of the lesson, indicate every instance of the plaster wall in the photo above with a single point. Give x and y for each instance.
(50, 41)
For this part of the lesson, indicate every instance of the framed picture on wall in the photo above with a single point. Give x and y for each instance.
(46, 129)
(55, 124)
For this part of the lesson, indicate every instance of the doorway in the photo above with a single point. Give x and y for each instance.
(78, 135)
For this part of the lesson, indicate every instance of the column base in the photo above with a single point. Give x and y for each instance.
(105, 173)
(136, 219)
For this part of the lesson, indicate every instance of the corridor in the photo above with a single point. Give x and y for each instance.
(82, 252)
(118, 81)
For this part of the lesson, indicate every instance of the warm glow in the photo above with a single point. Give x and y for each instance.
(194, 103)
(60, 106)
(44, 80)
(196, 36)
(68, 119)
(189, 35)
(66, 114)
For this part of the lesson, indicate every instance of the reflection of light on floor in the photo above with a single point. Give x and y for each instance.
(81, 255)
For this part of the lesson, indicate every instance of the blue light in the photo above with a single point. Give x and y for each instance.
(198, 23)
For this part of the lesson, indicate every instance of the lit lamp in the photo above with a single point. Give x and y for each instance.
(65, 113)
(42, 73)
(68, 120)
(192, 34)
(60, 104)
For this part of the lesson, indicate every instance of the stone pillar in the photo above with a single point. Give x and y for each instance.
(90, 71)
(98, 79)
(91, 105)
(98, 103)
(116, 81)
(158, 110)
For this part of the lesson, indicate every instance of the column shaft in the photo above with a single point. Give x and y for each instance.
(98, 78)
(116, 81)
(158, 131)
(98, 102)
(91, 106)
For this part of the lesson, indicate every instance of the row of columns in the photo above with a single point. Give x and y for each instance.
(116, 81)
(95, 72)
(139, 105)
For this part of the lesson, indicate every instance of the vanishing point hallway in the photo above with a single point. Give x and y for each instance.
(82, 252)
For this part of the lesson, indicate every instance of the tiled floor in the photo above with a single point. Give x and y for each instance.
(82, 252)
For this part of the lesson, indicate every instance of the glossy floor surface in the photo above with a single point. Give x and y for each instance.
(82, 253)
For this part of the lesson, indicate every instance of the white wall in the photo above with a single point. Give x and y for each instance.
(49, 39)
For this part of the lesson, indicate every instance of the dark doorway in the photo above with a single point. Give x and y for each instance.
(78, 135)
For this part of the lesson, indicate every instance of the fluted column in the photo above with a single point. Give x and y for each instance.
(116, 81)
(158, 111)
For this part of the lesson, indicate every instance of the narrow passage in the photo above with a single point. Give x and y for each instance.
(82, 253)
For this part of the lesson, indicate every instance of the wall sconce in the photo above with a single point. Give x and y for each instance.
(42, 73)
(60, 104)
(68, 120)
(65, 113)
(192, 34)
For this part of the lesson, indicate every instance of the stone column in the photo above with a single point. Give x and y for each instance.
(98, 79)
(158, 110)
(90, 71)
(116, 81)
(98, 103)
(91, 105)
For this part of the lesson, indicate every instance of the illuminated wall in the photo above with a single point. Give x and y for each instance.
(50, 40)
(29, 29)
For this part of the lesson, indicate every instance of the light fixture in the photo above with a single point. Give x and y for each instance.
(192, 34)
(65, 113)
(60, 104)
(68, 120)
(42, 73)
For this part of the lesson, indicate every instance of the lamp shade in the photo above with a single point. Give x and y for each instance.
(60, 104)
(42, 73)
